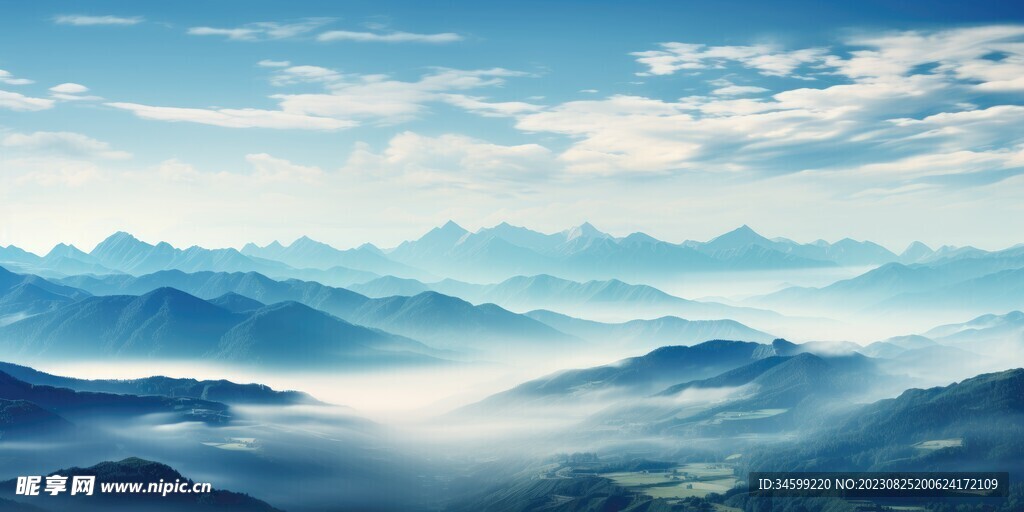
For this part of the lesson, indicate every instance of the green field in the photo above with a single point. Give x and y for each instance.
(697, 479)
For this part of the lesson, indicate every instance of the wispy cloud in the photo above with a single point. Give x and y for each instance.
(346, 100)
(451, 161)
(52, 159)
(67, 144)
(267, 63)
(389, 37)
(902, 97)
(20, 102)
(72, 92)
(235, 118)
(767, 59)
(7, 78)
(263, 30)
(82, 20)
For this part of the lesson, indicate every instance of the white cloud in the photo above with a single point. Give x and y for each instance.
(84, 20)
(390, 37)
(57, 159)
(235, 118)
(54, 172)
(7, 78)
(270, 169)
(768, 60)
(738, 90)
(304, 74)
(389, 101)
(346, 100)
(71, 92)
(20, 102)
(263, 30)
(69, 88)
(266, 63)
(481, 106)
(452, 161)
(867, 112)
(66, 144)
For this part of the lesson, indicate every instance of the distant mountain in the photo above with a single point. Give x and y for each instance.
(21, 419)
(893, 347)
(293, 333)
(659, 332)
(25, 295)
(236, 303)
(978, 424)
(452, 323)
(163, 323)
(592, 298)
(443, 321)
(12, 254)
(452, 251)
(68, 260)
(389, 286)
(987, 326)
(145, 472)
(636, 376)
(212, 390)
(916, 252)
(308, 253)
(980, 284)
(171, 324)
(800, 389)
(586, 252)
(123, 252)
(999, 291)
(74, 404)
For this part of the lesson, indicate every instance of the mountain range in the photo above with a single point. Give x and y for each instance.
(487, 255)
(170, 324)
(594, 299)
(635, 376)
(974, 282)
(667, 330)
(440, 320)
(25, 295)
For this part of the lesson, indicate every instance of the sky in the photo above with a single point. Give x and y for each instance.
(221, 123)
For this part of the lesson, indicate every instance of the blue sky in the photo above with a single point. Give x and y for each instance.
(223, 122)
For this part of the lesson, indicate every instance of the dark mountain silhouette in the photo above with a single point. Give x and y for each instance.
(214, 390)
(78, 404)
(21, 419)
(982, 414)
(144, 471)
